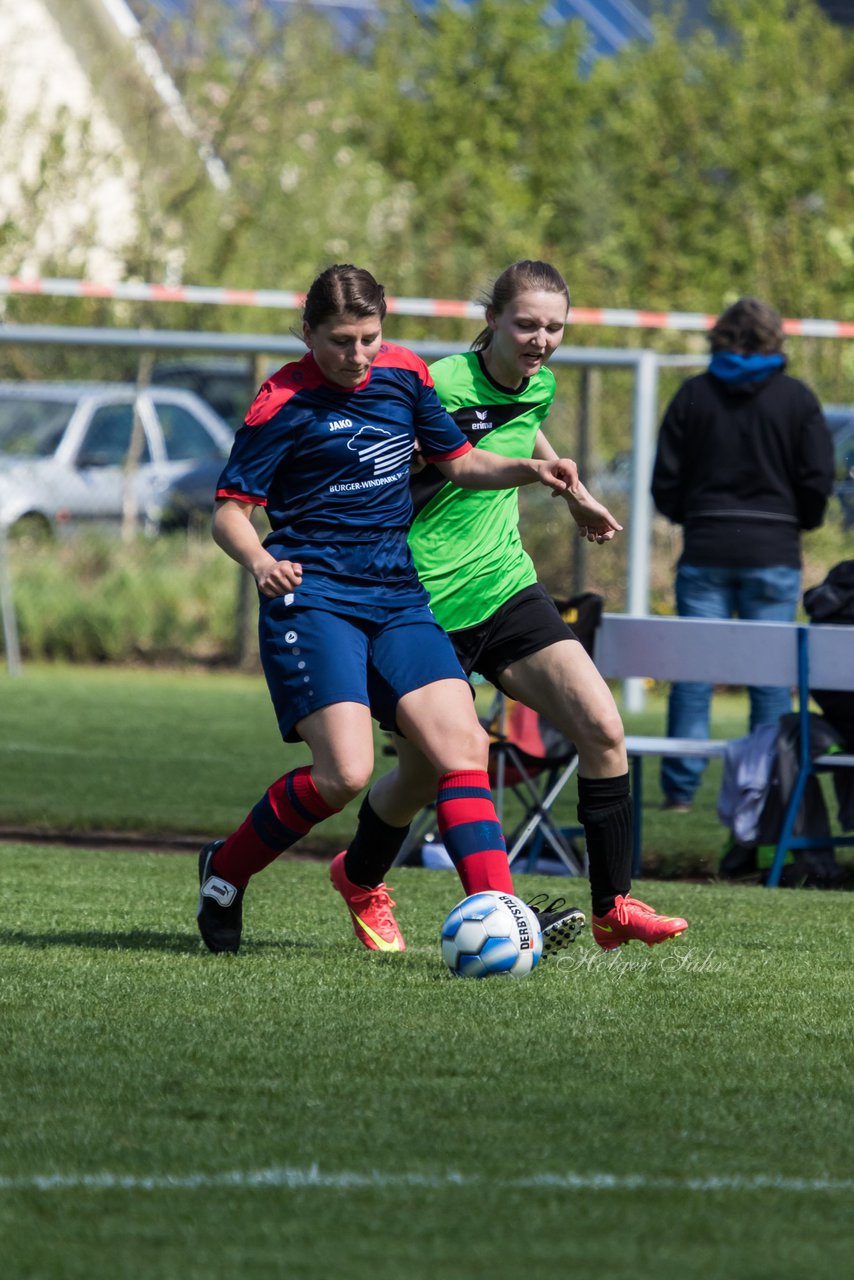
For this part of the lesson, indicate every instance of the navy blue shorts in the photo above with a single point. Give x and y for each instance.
(313, 658)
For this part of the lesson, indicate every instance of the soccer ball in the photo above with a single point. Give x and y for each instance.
(491, 933)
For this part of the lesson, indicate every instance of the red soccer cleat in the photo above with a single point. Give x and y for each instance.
(630, 919)
(370, 910)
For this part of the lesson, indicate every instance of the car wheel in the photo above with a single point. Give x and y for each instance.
(32, 527)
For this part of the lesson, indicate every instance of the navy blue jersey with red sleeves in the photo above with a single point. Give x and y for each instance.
(331, 466)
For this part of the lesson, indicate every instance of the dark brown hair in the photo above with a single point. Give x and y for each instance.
(525, 276)
(343, 290)
(749, 327)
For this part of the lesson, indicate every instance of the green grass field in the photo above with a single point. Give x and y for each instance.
(308, 1109)
(187, 753)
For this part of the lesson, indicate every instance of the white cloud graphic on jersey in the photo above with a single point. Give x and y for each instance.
(381, 450)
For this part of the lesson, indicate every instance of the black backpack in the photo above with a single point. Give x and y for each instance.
(832, 601)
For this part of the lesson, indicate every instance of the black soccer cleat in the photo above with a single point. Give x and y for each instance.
(560, 924)
(220, 911)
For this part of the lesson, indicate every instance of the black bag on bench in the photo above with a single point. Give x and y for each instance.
(832, 601)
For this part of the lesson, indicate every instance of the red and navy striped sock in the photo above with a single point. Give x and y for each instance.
(471, 831)
(290, 808)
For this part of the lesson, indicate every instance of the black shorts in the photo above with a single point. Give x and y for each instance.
(525, 624)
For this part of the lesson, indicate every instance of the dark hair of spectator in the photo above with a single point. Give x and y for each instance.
(749, 327)
(526, 276)
(343, 290)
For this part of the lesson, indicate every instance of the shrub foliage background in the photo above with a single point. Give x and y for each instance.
(92, 599)
(450, 140)
(176, 600)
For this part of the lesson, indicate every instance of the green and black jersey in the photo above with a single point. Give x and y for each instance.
(466, 542)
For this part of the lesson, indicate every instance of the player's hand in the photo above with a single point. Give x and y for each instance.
(595, 522)
(559, 474)
(417, 462)
(277, 577)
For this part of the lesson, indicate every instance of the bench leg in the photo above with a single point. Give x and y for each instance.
(788, 827)
(637, 815)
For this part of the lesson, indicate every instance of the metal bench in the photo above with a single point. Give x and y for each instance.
(731, 652)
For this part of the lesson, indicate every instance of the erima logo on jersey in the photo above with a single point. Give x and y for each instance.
(482, 422)
(340, 425)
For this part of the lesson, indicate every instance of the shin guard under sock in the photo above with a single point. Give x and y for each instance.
(471, 831)
(288, 810)
(373, 848)
(605, 812)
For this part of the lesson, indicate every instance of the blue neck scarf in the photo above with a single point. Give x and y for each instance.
(737, 370)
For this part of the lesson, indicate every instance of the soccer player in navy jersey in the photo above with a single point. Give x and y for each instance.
(345, 627)
(484, 591)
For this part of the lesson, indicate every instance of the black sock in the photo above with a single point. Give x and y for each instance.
(605, 812)
(373, 848)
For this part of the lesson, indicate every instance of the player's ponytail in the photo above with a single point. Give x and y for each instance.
(526, 276)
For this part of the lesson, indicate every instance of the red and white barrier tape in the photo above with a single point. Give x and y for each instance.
(440, 308)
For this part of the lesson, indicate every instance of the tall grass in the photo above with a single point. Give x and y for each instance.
(94, 599)
(174, 599)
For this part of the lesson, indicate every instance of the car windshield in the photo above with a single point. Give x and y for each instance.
(32, 428)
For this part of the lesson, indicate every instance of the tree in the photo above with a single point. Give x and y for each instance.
(474, 109)
(449, 140)
(720, 167)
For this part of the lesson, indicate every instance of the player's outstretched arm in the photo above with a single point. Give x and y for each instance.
(480, 469)
(594, 521)
(235, 533)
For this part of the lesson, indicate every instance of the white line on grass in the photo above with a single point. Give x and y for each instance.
(314, 1178)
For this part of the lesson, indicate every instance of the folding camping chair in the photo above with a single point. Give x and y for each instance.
(530, 759)
(533, 761)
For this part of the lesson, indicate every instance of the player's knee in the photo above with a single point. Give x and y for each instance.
(343, 783)
(611, 731)
(605, 735)
(468, 748)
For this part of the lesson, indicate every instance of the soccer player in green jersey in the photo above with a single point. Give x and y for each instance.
(483, 590)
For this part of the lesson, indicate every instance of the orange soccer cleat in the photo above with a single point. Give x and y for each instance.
(370, 910)
(630, 919)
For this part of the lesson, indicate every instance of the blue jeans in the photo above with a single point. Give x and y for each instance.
(766, 595)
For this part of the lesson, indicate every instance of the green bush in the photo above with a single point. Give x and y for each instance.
(174, 599)
(95, 599)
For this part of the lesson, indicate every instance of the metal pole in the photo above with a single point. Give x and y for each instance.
(582, 458)
(640, 528)
(130, 496)
(7, 606)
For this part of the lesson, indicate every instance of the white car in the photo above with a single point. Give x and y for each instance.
(64, 448)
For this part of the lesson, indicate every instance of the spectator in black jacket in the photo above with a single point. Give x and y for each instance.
(744, 463)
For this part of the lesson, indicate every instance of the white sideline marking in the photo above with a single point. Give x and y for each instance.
(312, 1177)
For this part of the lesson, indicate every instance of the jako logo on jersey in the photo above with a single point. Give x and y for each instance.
(381, 450)
(341, 425)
